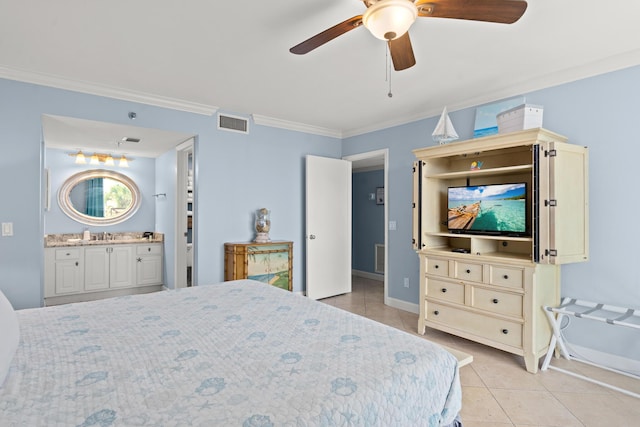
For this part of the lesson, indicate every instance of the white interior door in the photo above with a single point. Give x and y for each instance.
(328, 222)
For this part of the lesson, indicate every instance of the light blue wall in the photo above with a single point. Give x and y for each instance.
(236, 174)
(141, 170)
(367, 220)
(600, 112)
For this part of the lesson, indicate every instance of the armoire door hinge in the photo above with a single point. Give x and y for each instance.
(551, 202)
(413, 205)
(551, 252)
(551, 153)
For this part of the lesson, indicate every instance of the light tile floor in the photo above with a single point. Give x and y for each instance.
(497, 391)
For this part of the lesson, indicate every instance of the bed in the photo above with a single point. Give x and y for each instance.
(239, 353)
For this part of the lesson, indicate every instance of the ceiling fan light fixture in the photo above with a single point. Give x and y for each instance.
(390, 19)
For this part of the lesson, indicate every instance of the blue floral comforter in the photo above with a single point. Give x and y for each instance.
(238, 353)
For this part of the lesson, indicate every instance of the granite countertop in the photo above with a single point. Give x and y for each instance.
(75, 239)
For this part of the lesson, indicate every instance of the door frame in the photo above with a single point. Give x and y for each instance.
(369, 156)
(180, 253)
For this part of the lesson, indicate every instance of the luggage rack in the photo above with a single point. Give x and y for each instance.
(610, 314)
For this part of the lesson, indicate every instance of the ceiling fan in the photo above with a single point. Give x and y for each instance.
(390, 20)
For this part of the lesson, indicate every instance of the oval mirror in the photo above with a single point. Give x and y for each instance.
(99, 197)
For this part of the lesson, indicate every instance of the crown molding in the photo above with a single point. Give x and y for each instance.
(300, 127)
(106, 91)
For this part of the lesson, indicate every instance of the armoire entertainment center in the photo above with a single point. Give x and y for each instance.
(489, 286)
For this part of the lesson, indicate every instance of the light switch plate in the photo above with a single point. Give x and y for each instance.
(7, 229)
(392, 225)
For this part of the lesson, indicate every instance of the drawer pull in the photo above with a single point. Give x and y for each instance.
(76, 263)
(468, 271)
(505, 277)
(436, 312)
(495, 300)
(444, 290)
(68, 254)
(436, 266)
(505, 331)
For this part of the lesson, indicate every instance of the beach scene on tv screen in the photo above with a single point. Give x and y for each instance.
(488, 208)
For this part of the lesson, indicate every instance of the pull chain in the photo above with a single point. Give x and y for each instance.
(388, 71)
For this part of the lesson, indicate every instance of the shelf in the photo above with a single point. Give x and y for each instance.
(482, 172)
(494, 256)
(480, 236)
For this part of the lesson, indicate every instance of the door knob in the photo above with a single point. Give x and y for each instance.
(312, 236)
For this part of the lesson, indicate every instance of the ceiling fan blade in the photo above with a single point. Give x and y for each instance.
(500, 11)
(402, 52)
(327, 35)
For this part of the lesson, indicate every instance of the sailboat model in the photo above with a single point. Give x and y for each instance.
(444, 131)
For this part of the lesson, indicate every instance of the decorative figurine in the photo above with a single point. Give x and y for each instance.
(476, 166)
(263, 224)
(444, 131)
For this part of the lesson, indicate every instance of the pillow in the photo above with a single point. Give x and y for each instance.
(9, 335)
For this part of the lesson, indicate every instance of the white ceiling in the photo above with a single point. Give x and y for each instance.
(201, 55)
(92, 136)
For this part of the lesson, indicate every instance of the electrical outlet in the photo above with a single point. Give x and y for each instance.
(406, 282)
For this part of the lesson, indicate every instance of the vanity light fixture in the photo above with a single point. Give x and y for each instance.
(97, 158)
(124, 163)
(80, 159)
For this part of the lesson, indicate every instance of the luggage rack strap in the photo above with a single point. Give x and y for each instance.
(596, 311)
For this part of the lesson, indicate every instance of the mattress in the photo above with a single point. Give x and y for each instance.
(237, 353)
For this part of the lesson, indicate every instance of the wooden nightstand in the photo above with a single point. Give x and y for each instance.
(270, 262)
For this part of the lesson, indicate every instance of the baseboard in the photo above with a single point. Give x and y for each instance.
(402, 305)
(606, 359)
(367, 275)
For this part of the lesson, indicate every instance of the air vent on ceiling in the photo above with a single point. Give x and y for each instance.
(130, 139)
(232, 123)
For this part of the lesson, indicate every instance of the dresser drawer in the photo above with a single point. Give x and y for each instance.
(497, 302)
(148, 249)
(445, 291)
(506, 276)
(438, 267)
(72, 253)
(498, 330)
(468, 271)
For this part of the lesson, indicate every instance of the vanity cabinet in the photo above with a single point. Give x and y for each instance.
(66, 266)
(108, 267)
(491, 287)
(83, 273)
(149, 264)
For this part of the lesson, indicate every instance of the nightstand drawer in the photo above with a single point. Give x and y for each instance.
(468, 271)
(498, 330)
(445, 291)
(497, 302)
(438, 267)
(506, 276)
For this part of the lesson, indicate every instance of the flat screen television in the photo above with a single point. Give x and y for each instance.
(496, 209)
